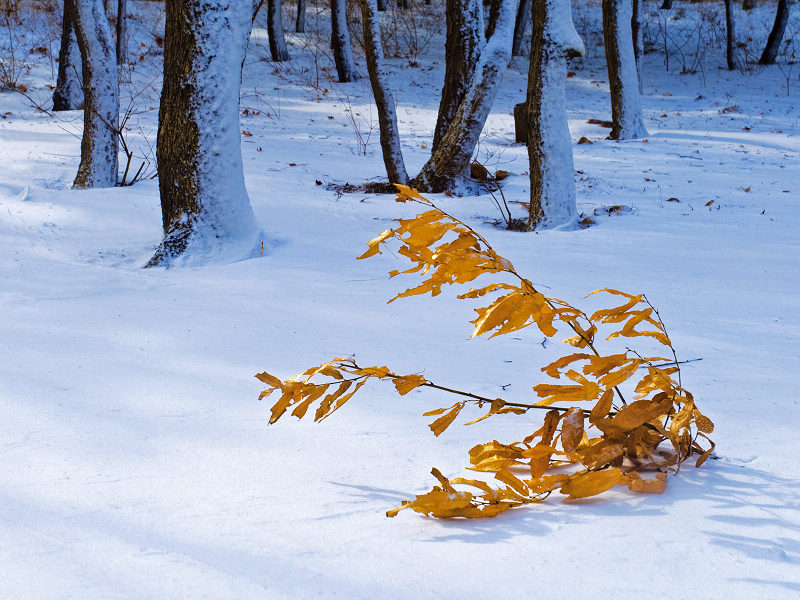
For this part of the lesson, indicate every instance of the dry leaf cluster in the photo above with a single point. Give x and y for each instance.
(591, 439)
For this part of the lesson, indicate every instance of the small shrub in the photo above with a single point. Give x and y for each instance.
(579, 452)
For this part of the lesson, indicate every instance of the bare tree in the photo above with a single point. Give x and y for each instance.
(552, 201)
(300, 22)
(122, 32)
(384, 100)
(626, 107)
(463, 43)
(776, 34)
(99, 143)
(520, 27)
(448, 164)
(68, 94)
(730, 35)
(340, 42)
(277, 39)
(206, 213)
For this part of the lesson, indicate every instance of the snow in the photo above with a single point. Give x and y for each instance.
(136, 460)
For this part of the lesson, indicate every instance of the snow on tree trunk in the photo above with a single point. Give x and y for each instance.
(776, 35)
(384, 100)
(206, 212)
(300, 22)
(552, 173)
(340, 42)
(626, 107)
(463, 43)
(68, 94)
(449, 163)
(277, 38)
(520, 27)
(99, 159)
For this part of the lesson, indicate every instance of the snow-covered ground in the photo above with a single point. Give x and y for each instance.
(135, 459)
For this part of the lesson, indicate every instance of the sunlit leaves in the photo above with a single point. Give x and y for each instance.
(578, 451)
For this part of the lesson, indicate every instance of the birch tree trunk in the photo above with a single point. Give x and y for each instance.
(552, 171)
(463, 44)
(340, 42)
(206, 213)
(449, 163)
(384, 100)
(99, 150)
(68, 94)
(277, 38)
(776, 34)
(626, 107)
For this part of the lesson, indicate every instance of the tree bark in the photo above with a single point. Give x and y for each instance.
(730, 35)
(68, 94)
(384, 100)
(463, 43)
(99, 160)
(300, 22)
(626, 108)
(449, 163)
(340, 42)
(552, 171)
(520, 27)
(277, 39)
(122, 32)
(637, 37)
(666, 5)
(776, 35)
(206, 213)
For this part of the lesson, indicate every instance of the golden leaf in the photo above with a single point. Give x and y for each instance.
(601, 454)
(590, 483)
(634, 414)
(636, 484)
(554, 368)
(497, 405)
(374, 244)
(512, 480)
(270, 380)
(603, 406)
(572, 429)
(325, 406)
(406, 383)
(547, 483)
(704, 456)
(300, 410)
(443, 422)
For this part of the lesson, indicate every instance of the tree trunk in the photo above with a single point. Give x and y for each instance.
(122, 32)
(99, 160)
(450, 161)
(300, 23)
(637, 38)
(494, 12)
(68, 94)
(730, 28)
(340, 42)
(277, 39)
(666, 5)
(463, 43)
(381, 5)
(384, 100)
(552, 171)
(520, 27)
(776, 35)
(626, 108)
(206, 213)
(748, 4)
